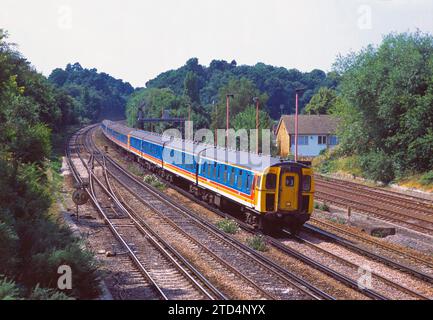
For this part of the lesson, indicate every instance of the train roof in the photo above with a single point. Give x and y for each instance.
(247, 160)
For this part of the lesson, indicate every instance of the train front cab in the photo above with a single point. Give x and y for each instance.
(285, 197)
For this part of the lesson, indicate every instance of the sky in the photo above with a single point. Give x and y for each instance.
(135, 40)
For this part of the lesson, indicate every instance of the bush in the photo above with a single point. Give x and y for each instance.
(47, 294)
(257, 243)
(154, 182)
(378, 166)
(427, 178)
(135, 171)
(85, 284)
(337, 220)
(322, 207)
(8, 247)
(8, 289)
(228, 226)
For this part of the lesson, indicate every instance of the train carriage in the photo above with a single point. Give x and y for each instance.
(270, 193)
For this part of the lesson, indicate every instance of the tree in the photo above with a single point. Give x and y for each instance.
(279, 83)
(321, 102)
(191, 88)
(155, 102)
(97, 95)
(32, 243)
(247, 120)
(389, 111)
(243, 91)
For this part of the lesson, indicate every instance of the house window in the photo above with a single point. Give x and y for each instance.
(302, 140)
(333, 140)
(322, 139)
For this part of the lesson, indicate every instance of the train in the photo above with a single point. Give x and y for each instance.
(270, 194)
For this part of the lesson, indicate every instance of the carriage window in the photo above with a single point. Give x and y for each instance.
(248, 182)
(271, 181)
(209, 170)
(225, 174)
(232, 177)
(240, 179)
(215, 170)
(290, 181)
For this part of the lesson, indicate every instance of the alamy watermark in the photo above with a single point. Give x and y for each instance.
(64, 282)
(235, 146)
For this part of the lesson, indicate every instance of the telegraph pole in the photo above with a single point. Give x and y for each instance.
(257, 101)
(227, 116)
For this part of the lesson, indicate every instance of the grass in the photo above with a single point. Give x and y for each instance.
(322, 207)
(337, 220)
(427, 178)
(135, 171)
(228, 226)
(154, 182)
(257, 243)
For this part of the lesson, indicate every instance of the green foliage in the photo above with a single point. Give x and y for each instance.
(378, 166)
(155, 102)
(191, 88)
(154, 182)
(32, 244)
(228, 226)
(322, 206)
(97, 95)
(135, 170)
(337, 220)
(84, 278)
(243, 91)
(47, 294)
(278, 83)
(322, 102)
(257, 243)
(8, 289)
(388, 114)
(427, 178)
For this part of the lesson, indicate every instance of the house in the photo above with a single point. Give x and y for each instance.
(315, 133)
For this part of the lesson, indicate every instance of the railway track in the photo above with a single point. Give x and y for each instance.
(382, 285)
(342, 278)
(416, 201)
(161, 266)
(320, 226)
(329, 271)
(407, 211)
(273, 281)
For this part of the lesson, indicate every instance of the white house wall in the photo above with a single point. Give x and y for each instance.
(312, 149)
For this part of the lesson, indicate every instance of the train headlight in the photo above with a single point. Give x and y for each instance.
(306, 183)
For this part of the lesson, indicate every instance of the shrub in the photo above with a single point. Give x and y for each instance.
(338, 220)
(134, 170)
(8, 289)
(427, 178)
(324, 207)
(378, 166)
(228, 226)
(85, 283)
(47, 294)
(321, 206)
(154, 182)
(257, 243)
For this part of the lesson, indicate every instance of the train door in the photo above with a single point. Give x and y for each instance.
(288, 197)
